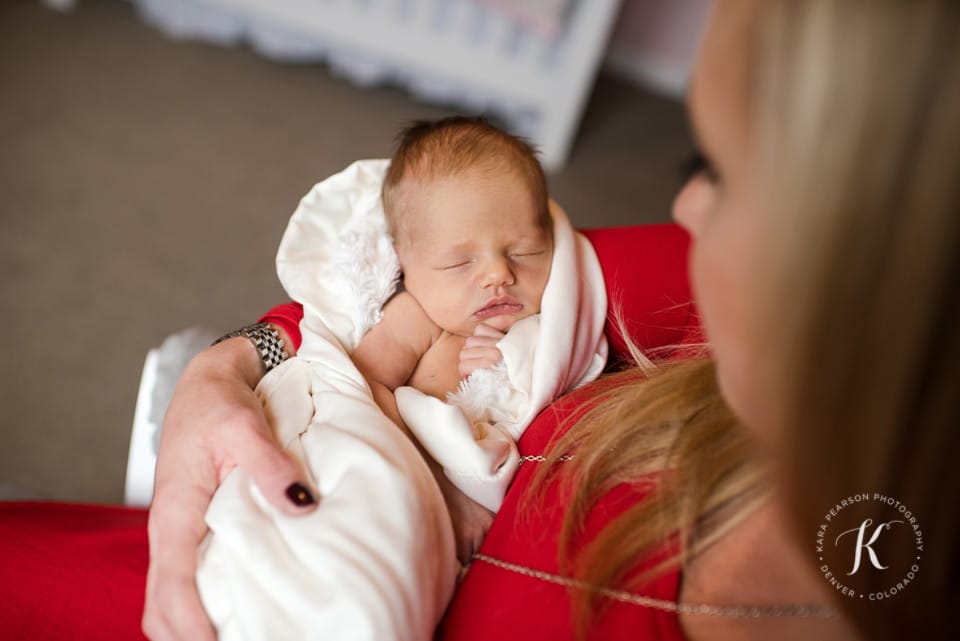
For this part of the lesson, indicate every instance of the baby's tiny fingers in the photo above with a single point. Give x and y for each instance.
(481, 352)
(486, 330)
(480, 342)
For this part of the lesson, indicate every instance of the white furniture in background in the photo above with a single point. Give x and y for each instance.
(461, 52)
(654, 42)
(161, 370)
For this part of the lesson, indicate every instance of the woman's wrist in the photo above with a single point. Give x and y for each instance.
(231, 357)
(270, 345)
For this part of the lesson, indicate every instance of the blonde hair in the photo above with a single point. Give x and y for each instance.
(431, 149)
(860, 99)
(855, 103)
(669, 430)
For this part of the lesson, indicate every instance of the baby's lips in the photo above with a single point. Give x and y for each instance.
(498, 309)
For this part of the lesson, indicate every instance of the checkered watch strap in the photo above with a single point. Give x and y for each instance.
(267, 341)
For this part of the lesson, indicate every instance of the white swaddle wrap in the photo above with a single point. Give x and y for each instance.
(376, 560)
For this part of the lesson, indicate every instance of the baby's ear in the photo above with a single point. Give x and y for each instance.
(398, 248)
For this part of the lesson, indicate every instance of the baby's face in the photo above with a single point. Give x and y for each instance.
(474, 250)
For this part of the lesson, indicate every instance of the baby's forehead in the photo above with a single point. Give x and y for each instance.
(480, 173)
(449, 198)
(431, 197)
(415, 189)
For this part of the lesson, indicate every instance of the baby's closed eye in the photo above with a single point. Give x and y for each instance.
(456, 264)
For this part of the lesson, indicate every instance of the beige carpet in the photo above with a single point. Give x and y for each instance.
(145, 184)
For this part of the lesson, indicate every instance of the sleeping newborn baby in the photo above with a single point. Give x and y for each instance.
(466, 205)
(499, 309)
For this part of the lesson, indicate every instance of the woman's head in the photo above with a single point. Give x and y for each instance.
(720, 205)
(826, 255)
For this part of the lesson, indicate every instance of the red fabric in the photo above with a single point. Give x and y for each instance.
(79, 572)
(645, 269)
(71, 572)
(491, 600)
(287, 317)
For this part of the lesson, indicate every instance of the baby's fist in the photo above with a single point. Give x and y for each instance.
(480, 350)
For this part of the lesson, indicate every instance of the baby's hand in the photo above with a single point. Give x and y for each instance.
(480, 350)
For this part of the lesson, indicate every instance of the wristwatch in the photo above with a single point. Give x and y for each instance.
(267, 341)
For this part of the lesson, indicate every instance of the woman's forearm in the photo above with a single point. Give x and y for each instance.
(214, 423)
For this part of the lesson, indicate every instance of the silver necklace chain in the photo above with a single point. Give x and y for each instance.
(540, 458)
(727, 611)
(705, 609)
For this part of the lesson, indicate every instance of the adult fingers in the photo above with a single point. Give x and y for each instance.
(282, 480)
(470, 520)
(173, 611)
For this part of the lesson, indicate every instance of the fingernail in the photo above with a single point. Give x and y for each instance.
(299, 495)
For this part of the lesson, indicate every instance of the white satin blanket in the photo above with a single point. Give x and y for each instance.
(376, 560)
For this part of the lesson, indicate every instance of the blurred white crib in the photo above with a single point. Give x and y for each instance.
(459, 52)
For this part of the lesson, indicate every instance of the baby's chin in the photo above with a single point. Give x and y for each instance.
(504, 322)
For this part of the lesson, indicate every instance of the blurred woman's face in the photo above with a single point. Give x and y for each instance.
(718, 206)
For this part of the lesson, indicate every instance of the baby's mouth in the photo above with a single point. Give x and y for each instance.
(498, 307)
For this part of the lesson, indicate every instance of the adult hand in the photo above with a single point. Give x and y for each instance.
(480, 350)
(470, 519)
(213, 424)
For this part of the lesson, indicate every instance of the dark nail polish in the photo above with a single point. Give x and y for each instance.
(300, 495)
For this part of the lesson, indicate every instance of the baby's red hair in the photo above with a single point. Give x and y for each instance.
(432, 149)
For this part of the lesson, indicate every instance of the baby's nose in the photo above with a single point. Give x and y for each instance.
(496, 272)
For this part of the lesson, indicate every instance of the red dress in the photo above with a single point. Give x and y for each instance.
(494, 602)
(79, 571)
